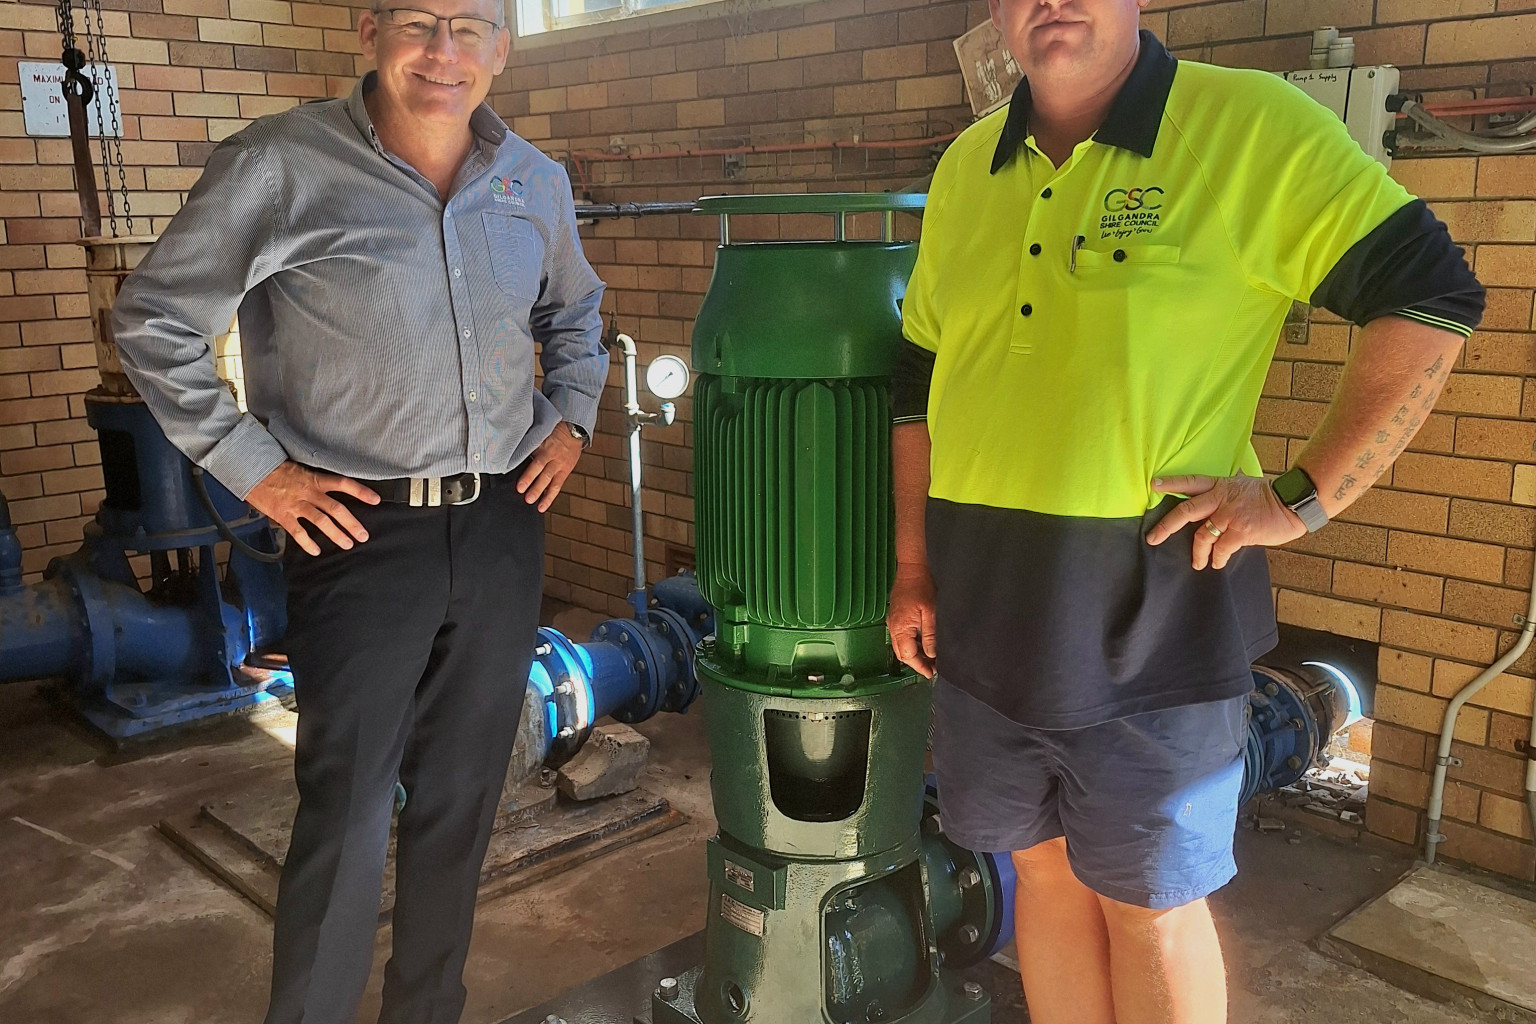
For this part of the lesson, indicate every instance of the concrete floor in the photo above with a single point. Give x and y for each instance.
(101, 920)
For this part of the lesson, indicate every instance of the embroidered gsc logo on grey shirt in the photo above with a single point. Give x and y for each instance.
(385, 333)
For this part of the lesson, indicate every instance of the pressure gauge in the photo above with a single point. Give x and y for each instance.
(667, 377)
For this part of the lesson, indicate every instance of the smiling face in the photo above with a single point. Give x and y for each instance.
(1068, 41)
(435, 73)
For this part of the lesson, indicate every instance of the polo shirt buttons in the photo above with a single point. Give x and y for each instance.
(1119, 255)
(1046, 194)
(1026, 309)
(1034, 250)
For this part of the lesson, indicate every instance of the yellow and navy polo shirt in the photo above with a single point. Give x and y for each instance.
(1075, 331)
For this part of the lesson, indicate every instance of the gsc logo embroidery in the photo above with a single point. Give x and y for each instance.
(1130, 212)
(508, 190)
(1122, 199)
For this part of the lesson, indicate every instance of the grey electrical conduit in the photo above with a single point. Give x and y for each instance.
(1473, 141)
(1448, 725)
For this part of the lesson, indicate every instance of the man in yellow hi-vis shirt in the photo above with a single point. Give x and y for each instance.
(1104, 269)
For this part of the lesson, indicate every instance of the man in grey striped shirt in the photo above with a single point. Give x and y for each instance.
(395, 257)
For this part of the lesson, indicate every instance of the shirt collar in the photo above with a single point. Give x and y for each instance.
(484, 122)
(1133, 118)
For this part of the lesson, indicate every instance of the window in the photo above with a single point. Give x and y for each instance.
(535, 16)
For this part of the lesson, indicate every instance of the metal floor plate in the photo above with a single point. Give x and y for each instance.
(623, 995)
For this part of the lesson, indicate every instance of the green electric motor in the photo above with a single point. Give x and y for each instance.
(820, 909)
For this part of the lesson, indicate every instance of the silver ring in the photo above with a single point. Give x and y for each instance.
(1212, 529)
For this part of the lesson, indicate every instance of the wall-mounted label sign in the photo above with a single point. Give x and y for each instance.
(42, 100)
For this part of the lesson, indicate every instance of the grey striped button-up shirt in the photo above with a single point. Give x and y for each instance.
(385, 333)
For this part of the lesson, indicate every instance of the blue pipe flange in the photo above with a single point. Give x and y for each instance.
(649, 655)
(1284, 734)
(682, 687)
(561, 672)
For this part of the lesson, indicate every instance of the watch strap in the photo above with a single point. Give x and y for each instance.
(1307, 508)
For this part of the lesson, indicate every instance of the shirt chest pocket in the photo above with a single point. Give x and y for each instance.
(1131, 300)
(516, 254)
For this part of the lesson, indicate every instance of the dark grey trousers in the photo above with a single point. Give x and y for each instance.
(410, 656)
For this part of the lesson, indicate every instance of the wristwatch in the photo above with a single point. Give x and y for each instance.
(1298, 493)
(577, 433)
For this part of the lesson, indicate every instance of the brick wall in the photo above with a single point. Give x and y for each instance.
(1432, 564)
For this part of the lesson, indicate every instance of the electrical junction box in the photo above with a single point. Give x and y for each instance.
(1359, 97)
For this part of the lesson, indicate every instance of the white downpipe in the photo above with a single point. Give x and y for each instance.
(1443, 759)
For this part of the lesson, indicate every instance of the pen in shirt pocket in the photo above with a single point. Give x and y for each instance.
(1077, 243)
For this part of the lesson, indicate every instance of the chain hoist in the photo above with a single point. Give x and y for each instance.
(82, 90)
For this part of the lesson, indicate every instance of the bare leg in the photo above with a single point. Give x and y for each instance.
(1063, 945)
(1166, 964)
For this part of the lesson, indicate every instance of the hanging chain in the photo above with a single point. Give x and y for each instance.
(117, 128)
(98, 79)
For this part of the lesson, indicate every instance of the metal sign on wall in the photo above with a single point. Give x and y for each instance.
(989, 70)
(42, 99)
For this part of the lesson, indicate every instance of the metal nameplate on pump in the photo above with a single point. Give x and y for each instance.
(740, 876)
(748, 919)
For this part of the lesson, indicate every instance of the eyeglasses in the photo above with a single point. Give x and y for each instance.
(419, 26)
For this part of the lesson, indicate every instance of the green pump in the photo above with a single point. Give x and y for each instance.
(823, 887)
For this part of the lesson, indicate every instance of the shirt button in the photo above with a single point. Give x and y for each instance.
(472, 396)
(1119, 255)
(1046, 194)
(477, 456)
(457, 272)
(1026, 309)
(467, 332)
(1034, 250)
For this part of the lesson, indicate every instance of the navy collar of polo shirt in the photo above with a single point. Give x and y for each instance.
(1133, 119)
(484, 122)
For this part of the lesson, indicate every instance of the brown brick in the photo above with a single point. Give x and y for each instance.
(1512, 176)
(1387, 586)
(1405, 786)
(1507, 309)
(1342, 617)
(1510, 440)
(1502, 814)
(1345, 540)
(1496, 524)
(1446, 556)
(933, 91)
(1431, 635)
(808, 39)
(1460, 802)
(1221, 22)
(1489, 220)
(1404, 669)
(1394, 821)
(1400, 510)
(1485, 39)
(1506, 731)
(216, 80)
(1287, 16)
(1507, 265)
(908, 61)
(1297, 571)
(869, 97)
(265, 58)
(1288, 417)
(1487, 769)
(1401, 746)
(1429, 10)
(1505, 692)
(1502, 352)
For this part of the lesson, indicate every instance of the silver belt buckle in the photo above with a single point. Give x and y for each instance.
(475, 494)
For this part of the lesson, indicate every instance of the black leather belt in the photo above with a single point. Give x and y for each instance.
(431, 491)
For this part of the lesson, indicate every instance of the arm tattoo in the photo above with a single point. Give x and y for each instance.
(1344, 487)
